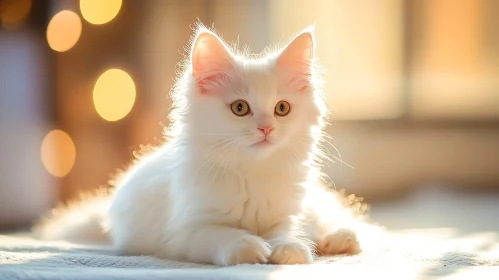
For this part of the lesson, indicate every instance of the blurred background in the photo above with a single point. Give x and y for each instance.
(414, 84)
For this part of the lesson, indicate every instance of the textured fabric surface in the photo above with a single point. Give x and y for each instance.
(412, 254)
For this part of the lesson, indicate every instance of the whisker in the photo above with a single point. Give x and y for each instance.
(337, 151)
(218, 143)
(215, 161)
(290, 157)
(236, 148)
(294, 152)
(304, 157)
(325, 154)
(219, 165)
(213, 154)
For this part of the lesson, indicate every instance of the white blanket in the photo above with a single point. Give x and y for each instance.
(413, 254)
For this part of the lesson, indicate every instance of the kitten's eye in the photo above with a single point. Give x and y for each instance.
(282, 108)
(240, 108)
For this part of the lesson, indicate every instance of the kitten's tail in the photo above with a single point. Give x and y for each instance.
(82, 221)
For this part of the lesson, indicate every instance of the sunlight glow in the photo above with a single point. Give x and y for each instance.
(114, 94)
(63, 31)
(58, 153)
(99, 12)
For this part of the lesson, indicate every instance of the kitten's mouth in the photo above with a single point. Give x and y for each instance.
(264, 142)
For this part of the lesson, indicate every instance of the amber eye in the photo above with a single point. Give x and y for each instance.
(240, 108)
(282, 108)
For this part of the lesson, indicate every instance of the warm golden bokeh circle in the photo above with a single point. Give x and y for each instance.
(114, 94)
(12, 12)
(63, 31)
(99, 11)
(58, 153)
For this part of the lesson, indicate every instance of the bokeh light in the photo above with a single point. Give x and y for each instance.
(14, 12)
(114, 94)
(99, 11)
(64, 30)
(58, 153)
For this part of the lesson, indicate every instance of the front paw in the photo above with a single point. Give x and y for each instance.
(248, 249)
(291, 253)
(342, 241)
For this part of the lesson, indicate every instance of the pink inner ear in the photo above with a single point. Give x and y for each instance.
(209, 83)
(211, 62)
(296, 60)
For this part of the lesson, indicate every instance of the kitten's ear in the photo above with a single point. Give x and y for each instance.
(209, 55)
(299, 53)
(297, 58)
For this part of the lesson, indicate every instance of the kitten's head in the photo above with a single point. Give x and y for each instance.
(252, 106)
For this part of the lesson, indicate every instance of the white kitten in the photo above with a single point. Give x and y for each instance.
(237, 181)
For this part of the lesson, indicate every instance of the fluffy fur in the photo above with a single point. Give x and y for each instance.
(214, 192)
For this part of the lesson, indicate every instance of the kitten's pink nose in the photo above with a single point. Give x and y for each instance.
(265, 130)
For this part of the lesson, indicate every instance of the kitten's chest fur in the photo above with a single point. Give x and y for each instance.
(266, 199)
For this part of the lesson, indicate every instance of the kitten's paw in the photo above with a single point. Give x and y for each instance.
(247, 249)
(342, 241)
(291, 253)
